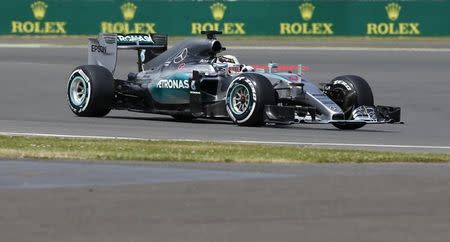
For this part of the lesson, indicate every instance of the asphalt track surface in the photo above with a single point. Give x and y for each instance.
(57, 201)
(73, 201)
(33, 98)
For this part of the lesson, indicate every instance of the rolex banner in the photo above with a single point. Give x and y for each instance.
(240, 17)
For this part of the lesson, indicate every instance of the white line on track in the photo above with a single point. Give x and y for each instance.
(340, 144)
(315, 48)
(69, 136)
(237, 141)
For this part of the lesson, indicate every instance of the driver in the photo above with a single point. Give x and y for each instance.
(233, 65)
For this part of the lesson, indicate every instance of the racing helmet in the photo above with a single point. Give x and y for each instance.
(233, 65)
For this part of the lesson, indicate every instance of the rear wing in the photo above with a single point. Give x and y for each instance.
(102, 51)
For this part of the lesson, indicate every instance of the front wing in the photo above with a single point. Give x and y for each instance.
(293, 114)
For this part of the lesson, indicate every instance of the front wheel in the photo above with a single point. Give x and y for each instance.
(90, 91)
(246, 97)
(350, 92)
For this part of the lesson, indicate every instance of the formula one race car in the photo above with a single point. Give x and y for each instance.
(190, 80)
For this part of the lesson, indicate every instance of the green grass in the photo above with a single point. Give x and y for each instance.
(20, 147)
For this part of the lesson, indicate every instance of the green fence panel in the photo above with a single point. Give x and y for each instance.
(283, 18)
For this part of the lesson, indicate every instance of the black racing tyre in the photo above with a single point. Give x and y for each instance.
(183, 117)
(90, 91)
(247, 95)
(350, 92)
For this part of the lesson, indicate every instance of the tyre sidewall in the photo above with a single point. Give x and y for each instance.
(357, 84)
(363, 92)
(245, 116)
(100, 91)
(78, 73)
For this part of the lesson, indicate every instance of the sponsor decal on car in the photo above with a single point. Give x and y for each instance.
(98, 48)
(343, 83)
(180, 56)
(134, 38)
(173, 84)
(39, 9)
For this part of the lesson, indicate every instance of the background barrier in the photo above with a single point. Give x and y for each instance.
(309, 18)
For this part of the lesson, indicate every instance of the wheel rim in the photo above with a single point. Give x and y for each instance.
(240, 99)
(78, 91)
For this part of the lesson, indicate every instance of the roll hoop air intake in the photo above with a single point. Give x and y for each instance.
(216, 46)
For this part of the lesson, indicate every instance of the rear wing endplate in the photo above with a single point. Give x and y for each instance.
(102, 51)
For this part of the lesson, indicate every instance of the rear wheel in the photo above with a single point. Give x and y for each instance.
(246, 97)
(350, 92)
(90, 91)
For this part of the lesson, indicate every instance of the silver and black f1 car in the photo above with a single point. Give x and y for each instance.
(190, 81)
